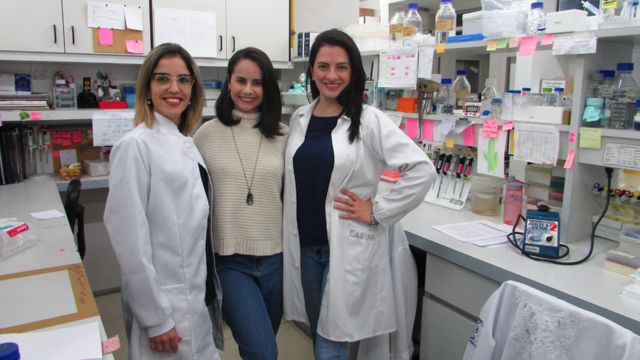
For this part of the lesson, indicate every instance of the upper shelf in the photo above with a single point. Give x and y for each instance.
(108, 59)
(71, 116)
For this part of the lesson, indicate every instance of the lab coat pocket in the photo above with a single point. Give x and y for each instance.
(181, 316)
(360, 244)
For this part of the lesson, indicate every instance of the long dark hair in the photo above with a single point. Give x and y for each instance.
(271, 106)
(351, 97)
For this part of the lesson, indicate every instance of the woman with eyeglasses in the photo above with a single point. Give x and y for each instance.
(157, 217)
(243, 148)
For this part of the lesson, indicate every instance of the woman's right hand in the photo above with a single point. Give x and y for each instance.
(167, 342)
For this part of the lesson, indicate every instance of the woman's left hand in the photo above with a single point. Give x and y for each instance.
(353, 207)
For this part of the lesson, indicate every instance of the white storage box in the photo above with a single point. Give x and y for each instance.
(472, 23)
(567, 21)
(540, 114)
(96, 167)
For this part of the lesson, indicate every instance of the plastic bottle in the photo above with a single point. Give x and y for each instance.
(595, 81)
(396, 30)
(559, 96)
(636, 118)
(461, 88)
(625, 92)
(507, 106)
(548, 97)
(536, 20)
(489, 93)
(445, 100)
(512, 201)
(412, 26)
(445, 21)
(626, 14)
(496, 108)
(608, 9)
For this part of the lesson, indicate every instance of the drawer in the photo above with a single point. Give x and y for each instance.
(457, 286)
(444, 333)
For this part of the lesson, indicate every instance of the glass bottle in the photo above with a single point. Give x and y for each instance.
(412, 26)
(445, 99)
(512, 201)
(445, 21)
(489, 93)
(625, 92)
(536, 20)
(461, 88)
(396, 30)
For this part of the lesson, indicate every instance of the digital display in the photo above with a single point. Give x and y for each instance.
(472, 108)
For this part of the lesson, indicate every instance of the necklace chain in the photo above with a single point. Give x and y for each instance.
(249, 198)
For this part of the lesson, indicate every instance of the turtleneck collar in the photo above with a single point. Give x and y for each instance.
(246, 119)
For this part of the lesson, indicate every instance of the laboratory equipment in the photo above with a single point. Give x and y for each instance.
(512, 201)
(461, 88)
(636, 117)
(472, 109)
(446, 99)
(625, 92)
(396, 30)
(489, 93)
(536, 20)
(542, 233)
(412, 26)
(496, 108)
(485, 195)
(445, 21)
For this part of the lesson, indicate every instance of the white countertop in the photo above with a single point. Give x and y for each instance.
(587, 285)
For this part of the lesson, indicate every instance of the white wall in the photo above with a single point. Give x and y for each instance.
(314, 15)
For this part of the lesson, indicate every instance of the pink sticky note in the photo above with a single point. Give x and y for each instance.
(528, 45)
(427, 130)
(469, 137)
(56, 140)
(66, 134)
(572, 137)
(513, 42)
(412, 128)
(66, 142)
(135, 46)
(56, 153)
(571, 155)
(110, 345)
(508, 125)
(546, 39)
(35, 115)
(105, 37)
(490, 128)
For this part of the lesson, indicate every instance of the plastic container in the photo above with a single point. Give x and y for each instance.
(496, 108)
(445, 100)
(636, 117)
(595, 81)
(412, 26)
(593, 114)
(608, 10)
(130, 96)
(485, 195)
(549, 98)
(536, 20)
(461, 88)
(559, 96)
(625, 92)
(512, 201)
(396, 30)
(489, 93)
(9, 351)
(445, 22)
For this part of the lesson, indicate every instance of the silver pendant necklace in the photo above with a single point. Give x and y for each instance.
(249, 198)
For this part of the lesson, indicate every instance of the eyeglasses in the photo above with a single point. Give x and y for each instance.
(166, 79)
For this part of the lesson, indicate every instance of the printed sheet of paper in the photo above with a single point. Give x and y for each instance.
(110, 126)
(398, 69)
(34, 293)
(539, 144)
(105, 15)
(579, 43)
(491, 154)
(473, 231)
(194, 30)
(622, 155)
(425, 62)
(48, 214)
(70, 342)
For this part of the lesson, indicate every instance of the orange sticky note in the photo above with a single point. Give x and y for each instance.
(508, 125)
(528, 45)
(449, 143)
(490, 128)
(513, 42)
(492, 45)
(35, 115)
(412, 128)
(571, 155)
(469, 137)
(427, 130)
(546, 39)
(105, 37)
(135, 46)
(440, 49)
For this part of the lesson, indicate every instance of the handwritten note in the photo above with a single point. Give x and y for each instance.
(528, 45)
(590, 138)
(105, 15)
(508, 125)
(502, 43)
(440, 48)
(513, 42)
(194, 30)
(133, 17)
(399, 68)
(492, 45)
(105, 36)
(134, 46)
(571, 156)
(109, 127)
(425, 62)
(546, 39)
(490, 128)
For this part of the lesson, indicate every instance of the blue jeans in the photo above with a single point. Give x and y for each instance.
(252, 302)
(314, 267)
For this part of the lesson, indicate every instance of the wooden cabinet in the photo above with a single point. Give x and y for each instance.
(56, 26)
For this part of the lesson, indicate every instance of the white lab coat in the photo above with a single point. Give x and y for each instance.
(156, 216)
(358, 300)
(520, 322)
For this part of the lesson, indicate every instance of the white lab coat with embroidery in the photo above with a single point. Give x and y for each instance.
(358, 300)
(156, 216)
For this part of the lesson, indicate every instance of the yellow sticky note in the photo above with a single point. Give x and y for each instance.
(440, 48)
(590, 138)
(449, 143)
(502, 43)
(491, 45)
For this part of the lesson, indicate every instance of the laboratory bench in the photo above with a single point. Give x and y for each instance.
(460, 277)
(55, 251)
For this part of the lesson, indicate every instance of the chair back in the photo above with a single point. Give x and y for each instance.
(72, 200)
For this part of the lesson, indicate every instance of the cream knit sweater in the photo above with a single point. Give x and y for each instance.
(237, 227)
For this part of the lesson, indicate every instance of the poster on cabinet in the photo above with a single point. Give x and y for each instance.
(194, 30)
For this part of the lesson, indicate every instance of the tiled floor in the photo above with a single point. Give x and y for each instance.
(292, 342)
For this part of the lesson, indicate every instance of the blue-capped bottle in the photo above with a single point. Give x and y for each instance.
(445, 97)
(625, 92)
(536, 20)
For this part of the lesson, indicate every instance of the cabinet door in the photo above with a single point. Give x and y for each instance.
(258, 23)
(444, 333)
(79, 37)
(31, 25)
(216, 6)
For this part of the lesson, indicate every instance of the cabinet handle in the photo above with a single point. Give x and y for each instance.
(220, 36)
(233, 49)
(73, 35)
(55, 34)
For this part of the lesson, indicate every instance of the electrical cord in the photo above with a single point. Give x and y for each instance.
(515, 242)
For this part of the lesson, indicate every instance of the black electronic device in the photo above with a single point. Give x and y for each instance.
(87, 99)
